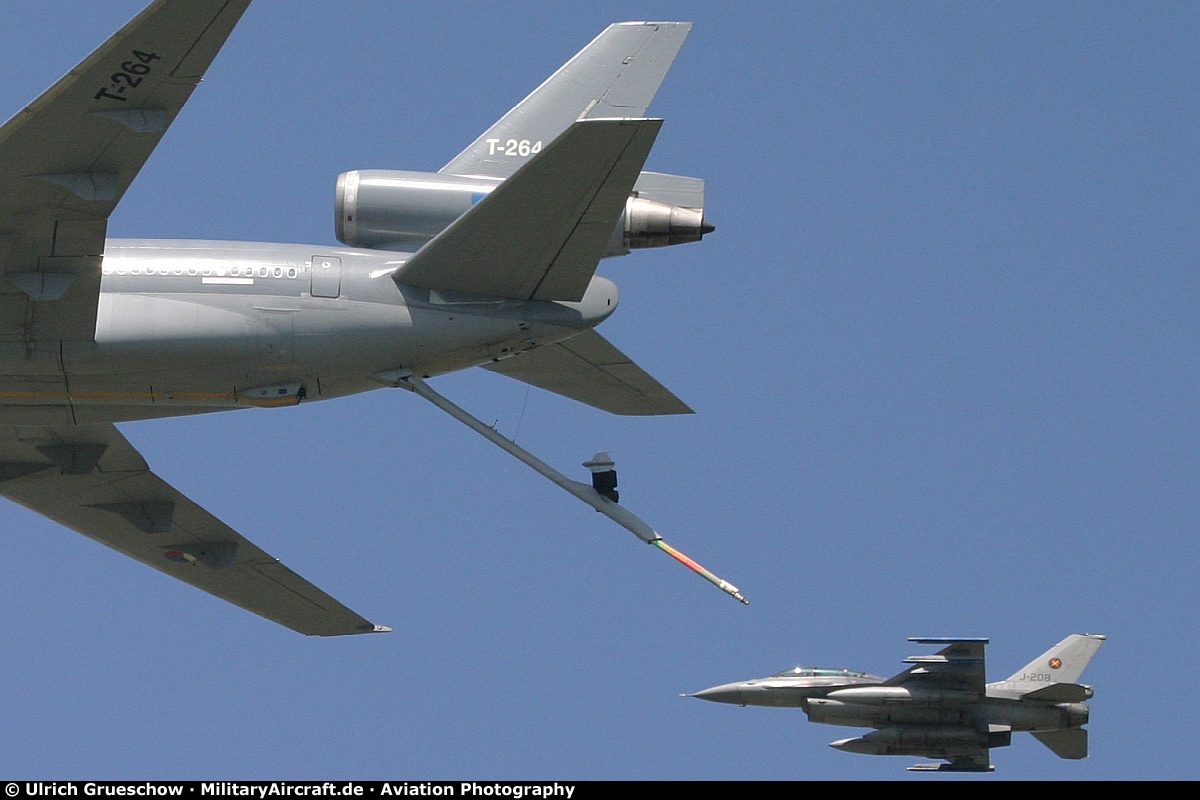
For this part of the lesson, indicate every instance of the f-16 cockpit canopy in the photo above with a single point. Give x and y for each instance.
(821, 672)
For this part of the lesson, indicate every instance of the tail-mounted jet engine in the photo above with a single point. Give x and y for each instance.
(401, 210)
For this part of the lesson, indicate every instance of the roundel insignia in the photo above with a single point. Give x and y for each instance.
(1055, 663)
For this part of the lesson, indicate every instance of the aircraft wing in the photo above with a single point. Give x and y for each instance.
(68, 157)
(539, 235)
(958, 666)
(92, 480)
(589, 369)
(956, 669)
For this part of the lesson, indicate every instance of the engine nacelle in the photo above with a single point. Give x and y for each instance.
(649, 223)
(399, 210)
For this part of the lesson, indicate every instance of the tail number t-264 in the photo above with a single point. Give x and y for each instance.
(513, 147)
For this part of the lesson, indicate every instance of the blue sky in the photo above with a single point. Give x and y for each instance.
(942, 350)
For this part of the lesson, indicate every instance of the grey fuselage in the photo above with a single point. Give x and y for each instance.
(788, 689)
(944, 709)
(186, 327)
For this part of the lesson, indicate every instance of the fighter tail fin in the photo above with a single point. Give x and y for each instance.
(616, 76)
(1063, 663)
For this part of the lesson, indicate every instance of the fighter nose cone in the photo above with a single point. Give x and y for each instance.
(726, 693)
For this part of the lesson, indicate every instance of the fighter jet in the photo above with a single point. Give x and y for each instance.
(941, 707)
(489, 262)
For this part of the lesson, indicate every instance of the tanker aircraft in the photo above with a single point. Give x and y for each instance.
(941, 707)
(489, 262)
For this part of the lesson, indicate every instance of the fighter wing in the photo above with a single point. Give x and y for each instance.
(539, 235)
(68, 157)
(92, 480)
(959, 667)
(589, 369)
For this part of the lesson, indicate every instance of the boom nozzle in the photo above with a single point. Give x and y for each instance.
(724, 585)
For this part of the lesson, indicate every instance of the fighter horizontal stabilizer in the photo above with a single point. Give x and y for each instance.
(589, 369)
(541, 233)
(1072, 743)
(1060, 693)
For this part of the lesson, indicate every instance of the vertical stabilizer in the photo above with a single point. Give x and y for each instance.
(616, 76)
(1063, 663)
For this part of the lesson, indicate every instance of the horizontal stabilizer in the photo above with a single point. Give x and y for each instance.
(1072, 744)
(589, 369)
(1060, 693)
(540, 234)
